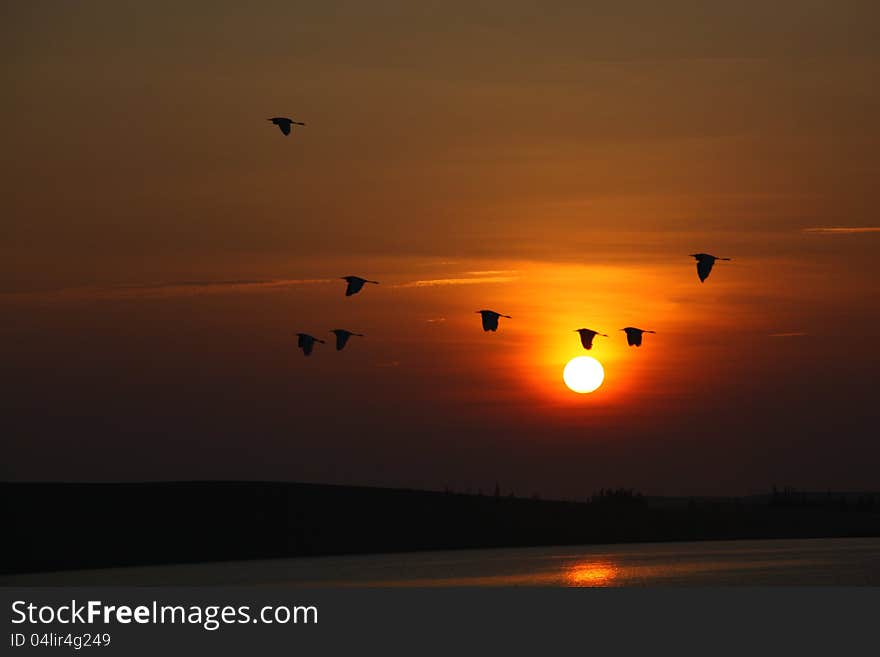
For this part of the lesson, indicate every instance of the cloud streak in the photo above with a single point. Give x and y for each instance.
(162, 290)
(842, 230)
(433, 282)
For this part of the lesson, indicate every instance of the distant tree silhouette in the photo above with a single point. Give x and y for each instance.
(867, 502)
(618, 497)
(169, 522)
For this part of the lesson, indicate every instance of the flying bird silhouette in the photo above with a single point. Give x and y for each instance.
(587, 336)
(355, 284)
(307, 342)
(342, 337)
(705, 262)
(634, 335)
(490, 319)
(284, 124)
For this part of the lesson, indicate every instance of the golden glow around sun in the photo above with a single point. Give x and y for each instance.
(583, 374)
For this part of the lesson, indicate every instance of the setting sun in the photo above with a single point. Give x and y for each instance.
(583, 374)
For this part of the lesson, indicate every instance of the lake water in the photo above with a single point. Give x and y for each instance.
(827, 561)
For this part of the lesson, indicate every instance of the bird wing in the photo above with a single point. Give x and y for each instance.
(704, 266)
(490, 321)
(354, 286)
(633, 337)
(285, 127)
(307, 347)
(341, 339)
(587, 339)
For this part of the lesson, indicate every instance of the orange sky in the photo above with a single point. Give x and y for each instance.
(162, 242)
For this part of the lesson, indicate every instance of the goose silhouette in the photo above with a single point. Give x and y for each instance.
(587, 336)
(355, 284)
(284, 124)
(342, 336)
(705, 262)
(307, 342)
(490, 319)
(634, 335)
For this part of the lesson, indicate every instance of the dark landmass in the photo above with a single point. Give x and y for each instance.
(62, 526)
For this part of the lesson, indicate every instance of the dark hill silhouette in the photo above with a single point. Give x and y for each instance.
(58, 526)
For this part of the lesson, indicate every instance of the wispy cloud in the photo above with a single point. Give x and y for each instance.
(791, 334)
(162, 290)
(843, 230)
(475, 280)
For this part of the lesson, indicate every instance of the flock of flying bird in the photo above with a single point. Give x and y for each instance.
(354, 284)
(306, 342)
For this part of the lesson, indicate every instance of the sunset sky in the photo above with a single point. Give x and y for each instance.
(557, 162)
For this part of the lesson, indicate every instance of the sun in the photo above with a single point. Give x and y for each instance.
(583, 374)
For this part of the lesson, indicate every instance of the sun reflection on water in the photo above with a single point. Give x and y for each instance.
(591, 573)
